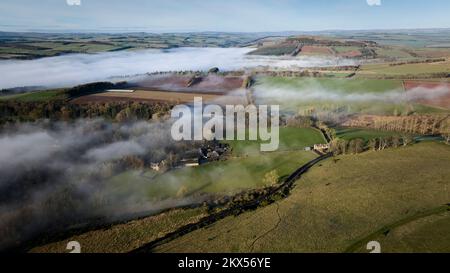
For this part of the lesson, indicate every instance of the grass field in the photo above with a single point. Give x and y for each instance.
(325, 95)
(278, 50)
(406, 69)
(344, 49)
(128, 236)
(393, 52)
(227, 177)
(290, 139)
(420, 236)
(419, 233)
(366, 134)
(337, 203)
(37, 96)
(342, 85)
(246, 169)
(336, 96)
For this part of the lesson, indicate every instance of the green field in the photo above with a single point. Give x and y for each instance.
(279, 50)
(245, 169)
(334, 96)
(241, 172)
(128, 236)
(340, 85)
(366, 134)
(329, 96)
(226, 177)
(339, 202)
(419, 233)
(393, 52)
(290, 139)
(37, 96)
(406, 69)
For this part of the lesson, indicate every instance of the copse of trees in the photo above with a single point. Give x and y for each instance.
(355, 146)
(91, 88)
(298, 121)
(429, 124)
(419, 61)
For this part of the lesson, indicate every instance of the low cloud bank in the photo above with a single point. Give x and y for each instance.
(69, 70)
(319, 93)
(55, 175)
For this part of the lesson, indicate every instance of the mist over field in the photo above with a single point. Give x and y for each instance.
(55, 175)
(320, 93)
(73, 69)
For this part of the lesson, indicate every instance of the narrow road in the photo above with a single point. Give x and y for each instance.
(284, 188)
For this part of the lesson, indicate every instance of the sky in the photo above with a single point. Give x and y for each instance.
(221, 15)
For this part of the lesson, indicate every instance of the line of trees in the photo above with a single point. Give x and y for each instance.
(420, 124)
(17, 111)
(358, 145)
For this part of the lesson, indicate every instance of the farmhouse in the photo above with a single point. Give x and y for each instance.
(321, 147)
(158, 166)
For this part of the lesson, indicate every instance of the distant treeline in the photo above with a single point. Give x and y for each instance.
(419, 62)
(213, 70)
(421, 76)
(91, 88)
(324, 42)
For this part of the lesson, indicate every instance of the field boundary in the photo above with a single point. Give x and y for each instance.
(388, 228)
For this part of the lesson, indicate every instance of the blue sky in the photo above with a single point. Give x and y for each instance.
(221, 15)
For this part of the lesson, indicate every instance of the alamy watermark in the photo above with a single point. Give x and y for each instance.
(241, 123)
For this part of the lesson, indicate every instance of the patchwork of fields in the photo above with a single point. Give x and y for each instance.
(398, 196)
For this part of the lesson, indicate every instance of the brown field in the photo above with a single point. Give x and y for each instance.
(316, 50)
(442, 101)
(351, 54)
(163, 96)
(209, 84)
(431, 53)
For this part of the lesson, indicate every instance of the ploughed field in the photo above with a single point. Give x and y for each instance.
(209, 84)
(439, 92)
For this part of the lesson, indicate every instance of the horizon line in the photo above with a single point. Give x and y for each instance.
(89, 31)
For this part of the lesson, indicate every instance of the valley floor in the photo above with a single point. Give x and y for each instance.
(339, 202)
(397, 197)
